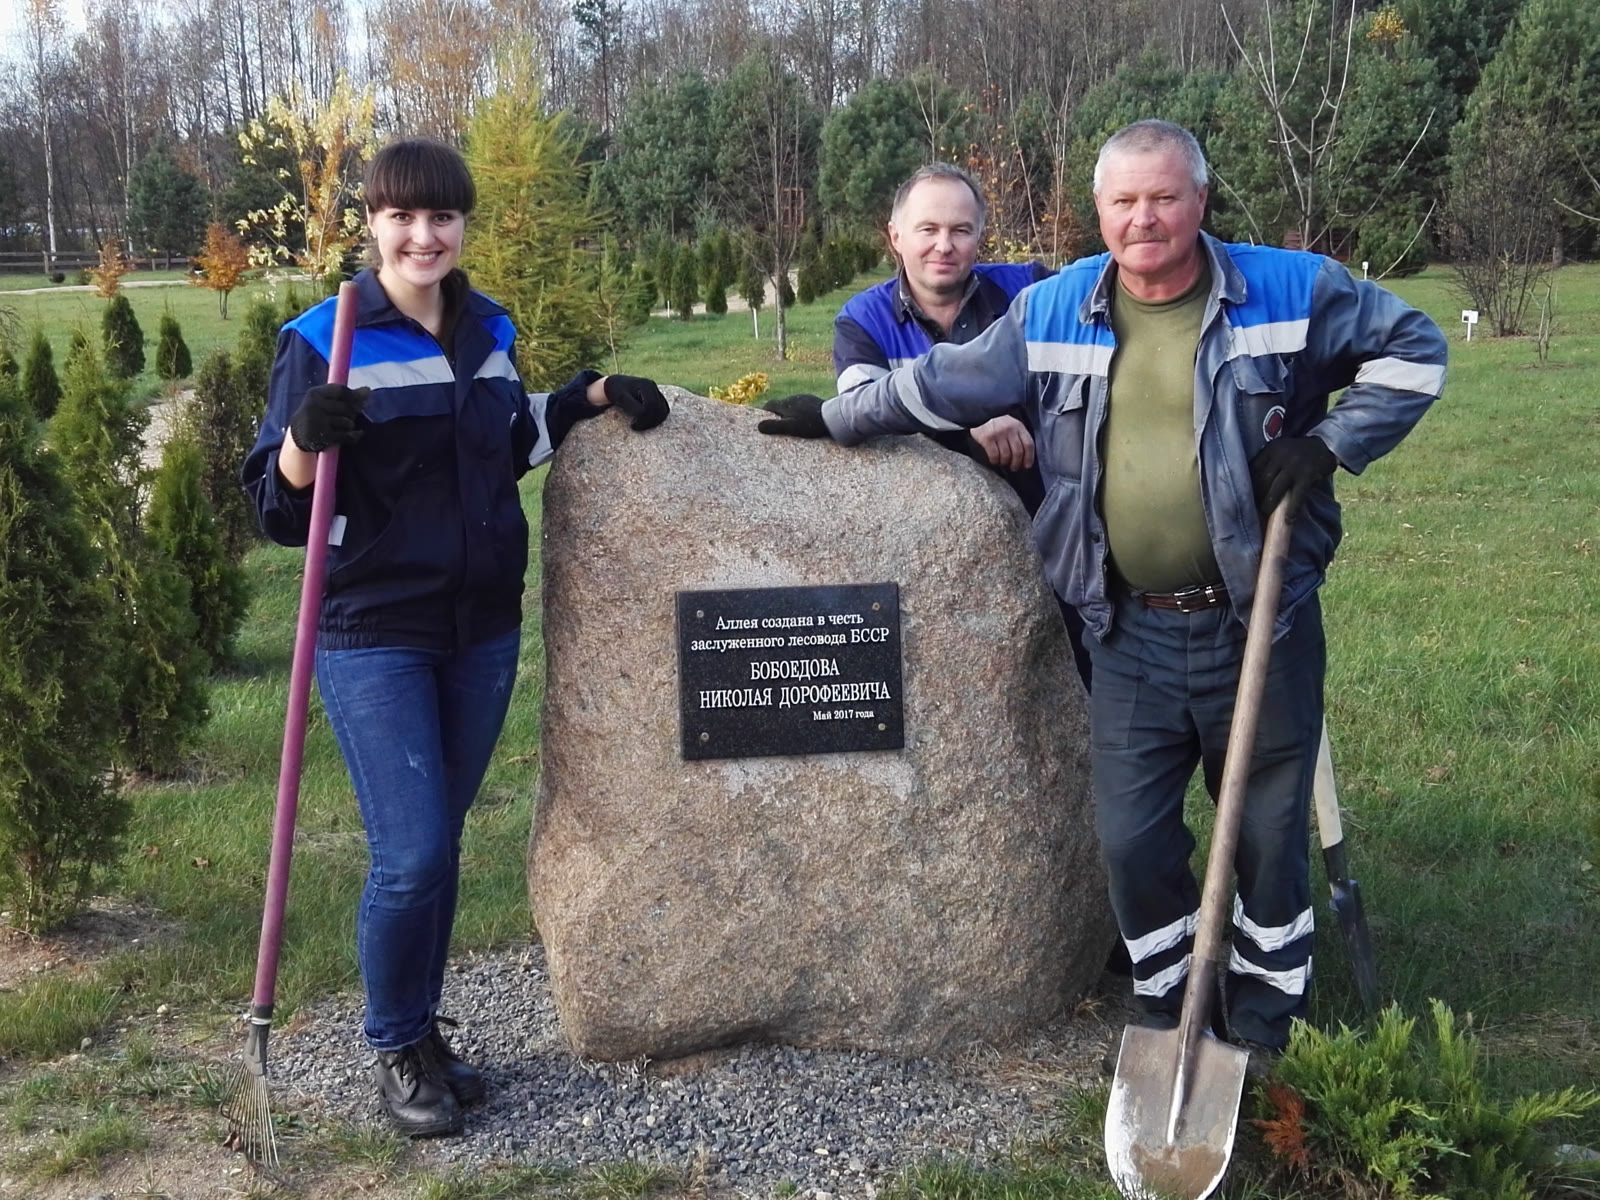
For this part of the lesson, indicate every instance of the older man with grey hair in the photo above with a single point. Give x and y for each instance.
(1178, 388)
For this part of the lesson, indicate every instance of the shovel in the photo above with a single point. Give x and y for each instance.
(244, 1098)
(1174, 1102)
(1346, 894)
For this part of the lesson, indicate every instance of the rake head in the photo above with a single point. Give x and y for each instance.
(244, 1101)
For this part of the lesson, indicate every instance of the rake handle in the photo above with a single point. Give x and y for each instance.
(300, 673)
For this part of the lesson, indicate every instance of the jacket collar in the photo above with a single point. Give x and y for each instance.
(906, 306)
(375, 307)
(1227, 281)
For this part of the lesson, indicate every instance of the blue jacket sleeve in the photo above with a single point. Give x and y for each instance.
(284, 512)
(857, 357)
(550, 416)
(1391, 356)
(950, 387)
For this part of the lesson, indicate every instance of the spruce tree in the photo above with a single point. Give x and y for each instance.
(40, 386)
(223, 418)
(124, 340)
(182, 526)
(172, 353)
(60, 814)
(163, 702)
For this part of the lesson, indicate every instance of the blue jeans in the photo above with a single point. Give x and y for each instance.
(1164, 688)
(416, 728)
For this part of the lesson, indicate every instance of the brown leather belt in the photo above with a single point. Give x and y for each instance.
(1190, 599)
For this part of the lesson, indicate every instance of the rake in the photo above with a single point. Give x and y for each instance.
(245, 1105)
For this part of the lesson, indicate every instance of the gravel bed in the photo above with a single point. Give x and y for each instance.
(825, 1122)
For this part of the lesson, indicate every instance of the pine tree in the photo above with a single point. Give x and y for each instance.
(172, 353)
(40, 386)
(60, 815)
(182, 525)
(124, 340)
(163, 702)
(222, 419)
(168, 204)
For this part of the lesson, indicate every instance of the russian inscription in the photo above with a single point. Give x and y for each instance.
(801, 670)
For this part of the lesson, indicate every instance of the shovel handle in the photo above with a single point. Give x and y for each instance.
(300, 671)
(1236, 770)
(1330, 828)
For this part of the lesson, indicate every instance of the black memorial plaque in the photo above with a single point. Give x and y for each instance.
(797, 670)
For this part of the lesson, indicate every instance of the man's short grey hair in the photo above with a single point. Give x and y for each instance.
(940, 170)
(1144, 137)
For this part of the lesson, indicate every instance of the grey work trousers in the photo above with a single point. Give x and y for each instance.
(1163, 698)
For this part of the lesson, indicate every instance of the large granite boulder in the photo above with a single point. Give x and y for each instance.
(901, 900)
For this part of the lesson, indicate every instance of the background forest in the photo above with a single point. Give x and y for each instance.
(1389, 134)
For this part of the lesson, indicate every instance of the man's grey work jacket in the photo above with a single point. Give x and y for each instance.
(1282, 330)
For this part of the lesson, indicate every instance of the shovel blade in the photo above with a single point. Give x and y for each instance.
(1346, 903)
(1145, 1163)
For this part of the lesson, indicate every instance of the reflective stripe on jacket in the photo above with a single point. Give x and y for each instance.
(1282, 330)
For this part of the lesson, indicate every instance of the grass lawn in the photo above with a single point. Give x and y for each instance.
(1463, 700)
(60, 311)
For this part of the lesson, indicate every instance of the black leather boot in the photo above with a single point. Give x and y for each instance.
(464, 1079)
(417, 1100)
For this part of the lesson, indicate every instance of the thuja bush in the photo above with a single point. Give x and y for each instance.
(254, 351)
(1401, 1113)
(222, 418)
(124, 340)
(172, 352)
(60, 810)
(161, 667)
(41, 387)
(182, 526)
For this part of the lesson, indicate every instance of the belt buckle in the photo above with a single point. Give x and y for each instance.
(1193, 599)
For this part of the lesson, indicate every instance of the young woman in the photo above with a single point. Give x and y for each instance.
(419, 628)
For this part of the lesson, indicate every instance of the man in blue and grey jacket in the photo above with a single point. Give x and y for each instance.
(1178, 388)
(941, 294)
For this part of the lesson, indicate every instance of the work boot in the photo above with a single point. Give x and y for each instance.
(418, 1102)
(462, 1078)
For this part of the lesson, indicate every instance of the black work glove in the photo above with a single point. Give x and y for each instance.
(1289, 467)
(638, 399)
(327, 417)
(799, 415)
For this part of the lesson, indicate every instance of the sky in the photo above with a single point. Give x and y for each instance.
(11, 24)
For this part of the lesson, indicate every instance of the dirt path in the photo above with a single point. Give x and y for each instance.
(162, 415)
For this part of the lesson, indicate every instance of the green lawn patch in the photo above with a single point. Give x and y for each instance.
(1463, 701)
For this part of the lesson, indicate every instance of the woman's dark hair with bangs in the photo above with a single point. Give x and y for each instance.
(419, 173)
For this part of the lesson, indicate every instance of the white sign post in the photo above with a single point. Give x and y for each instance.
(1364, 265)
(1470, 317)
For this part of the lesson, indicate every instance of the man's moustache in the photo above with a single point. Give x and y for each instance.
(1131, 238)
